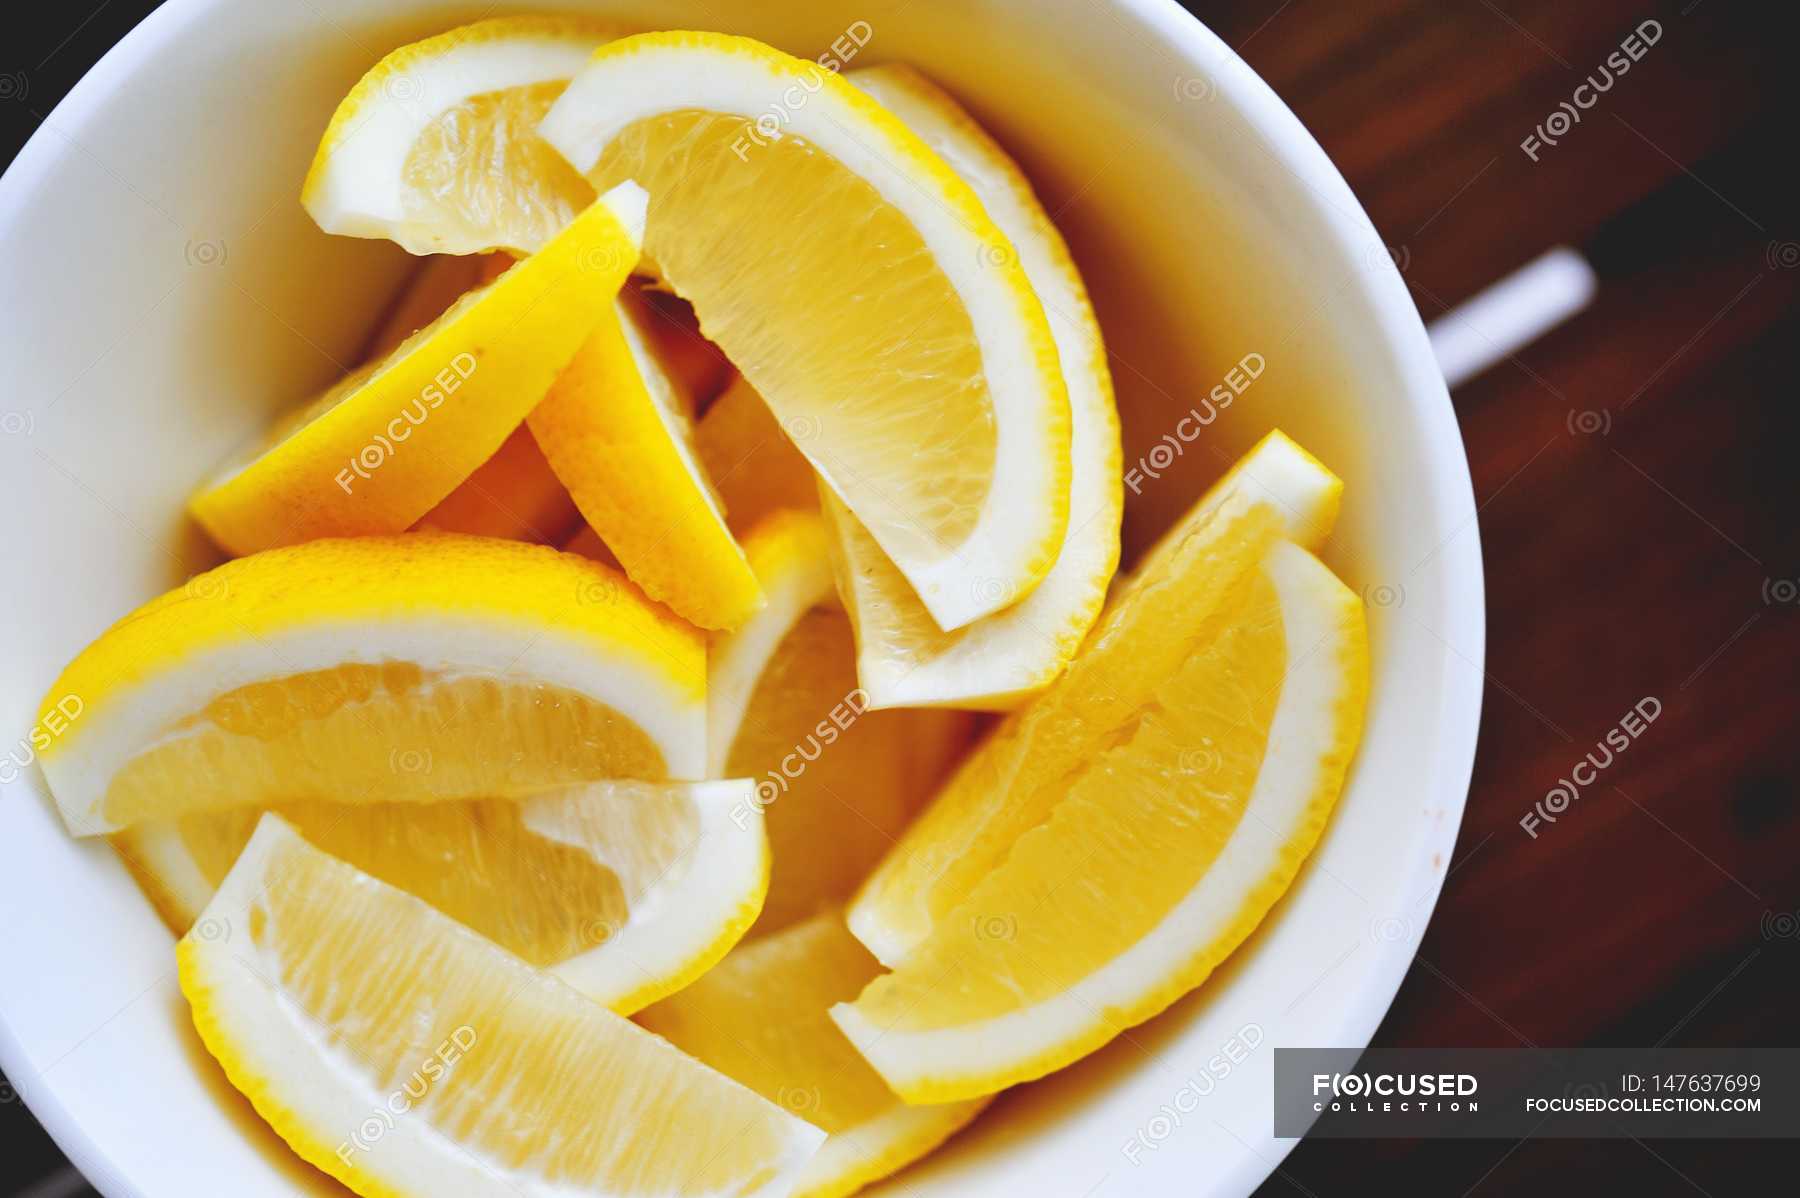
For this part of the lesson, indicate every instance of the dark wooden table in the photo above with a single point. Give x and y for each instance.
(1639, 513)
(1639, 502)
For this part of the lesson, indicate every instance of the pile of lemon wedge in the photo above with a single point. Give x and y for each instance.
(669, 722)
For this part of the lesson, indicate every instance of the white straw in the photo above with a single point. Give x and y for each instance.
(1506, 316)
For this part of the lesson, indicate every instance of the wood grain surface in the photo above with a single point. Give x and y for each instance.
(1639, 501)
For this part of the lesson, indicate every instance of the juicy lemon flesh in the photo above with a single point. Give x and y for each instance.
(833, 308)
(1138, 824)
(479, 862)
(849, 790)
(548, 1086)
(514, 495)
(1014, 779)
(890, 615)
(759, 1017)
(480, 167)
(363, 732)
(752, 464)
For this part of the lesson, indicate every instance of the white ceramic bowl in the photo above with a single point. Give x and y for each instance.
(164, 292)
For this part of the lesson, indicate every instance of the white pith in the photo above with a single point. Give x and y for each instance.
(360, 192)
(673, 916)
(611, 95)
(1019, 649)
(1276, 473)
(139, 717)
(681, 912)
(855, 1149)
(328, 1092)
(736, 660)
(1312, 603)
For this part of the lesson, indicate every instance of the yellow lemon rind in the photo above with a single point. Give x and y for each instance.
(952, 1063)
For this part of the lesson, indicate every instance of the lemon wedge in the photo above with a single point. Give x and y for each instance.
(858, 284)
(615, 428)
(435, 148)
(420, 667)
(402, 1053)
(760, 1018)
(381, 447)
(903, 658)
(1175, 807)
(627, 891)
(1009, 786)
(513, 494)
(784, 709)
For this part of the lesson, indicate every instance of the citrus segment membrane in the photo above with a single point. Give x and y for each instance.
(435, 147)
(427, 666)
(861, 289)
(625, 890)
(760, 1017)
(402, 1053)
(903, 657)
(1173, 841)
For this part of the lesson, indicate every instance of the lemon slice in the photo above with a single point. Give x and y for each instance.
(627, 891)
(1301, 493)
(513, 494)
(859, 286)
(760, 1018)
(402, 1053)
(836, 782)
(616, 431)
(903, 658)
(1181, 822)
(750, 460)
(381, 447)
(435, 148)
(424, 666)
(1009, 786)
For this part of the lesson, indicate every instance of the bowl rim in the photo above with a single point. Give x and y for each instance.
(1380, 290)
